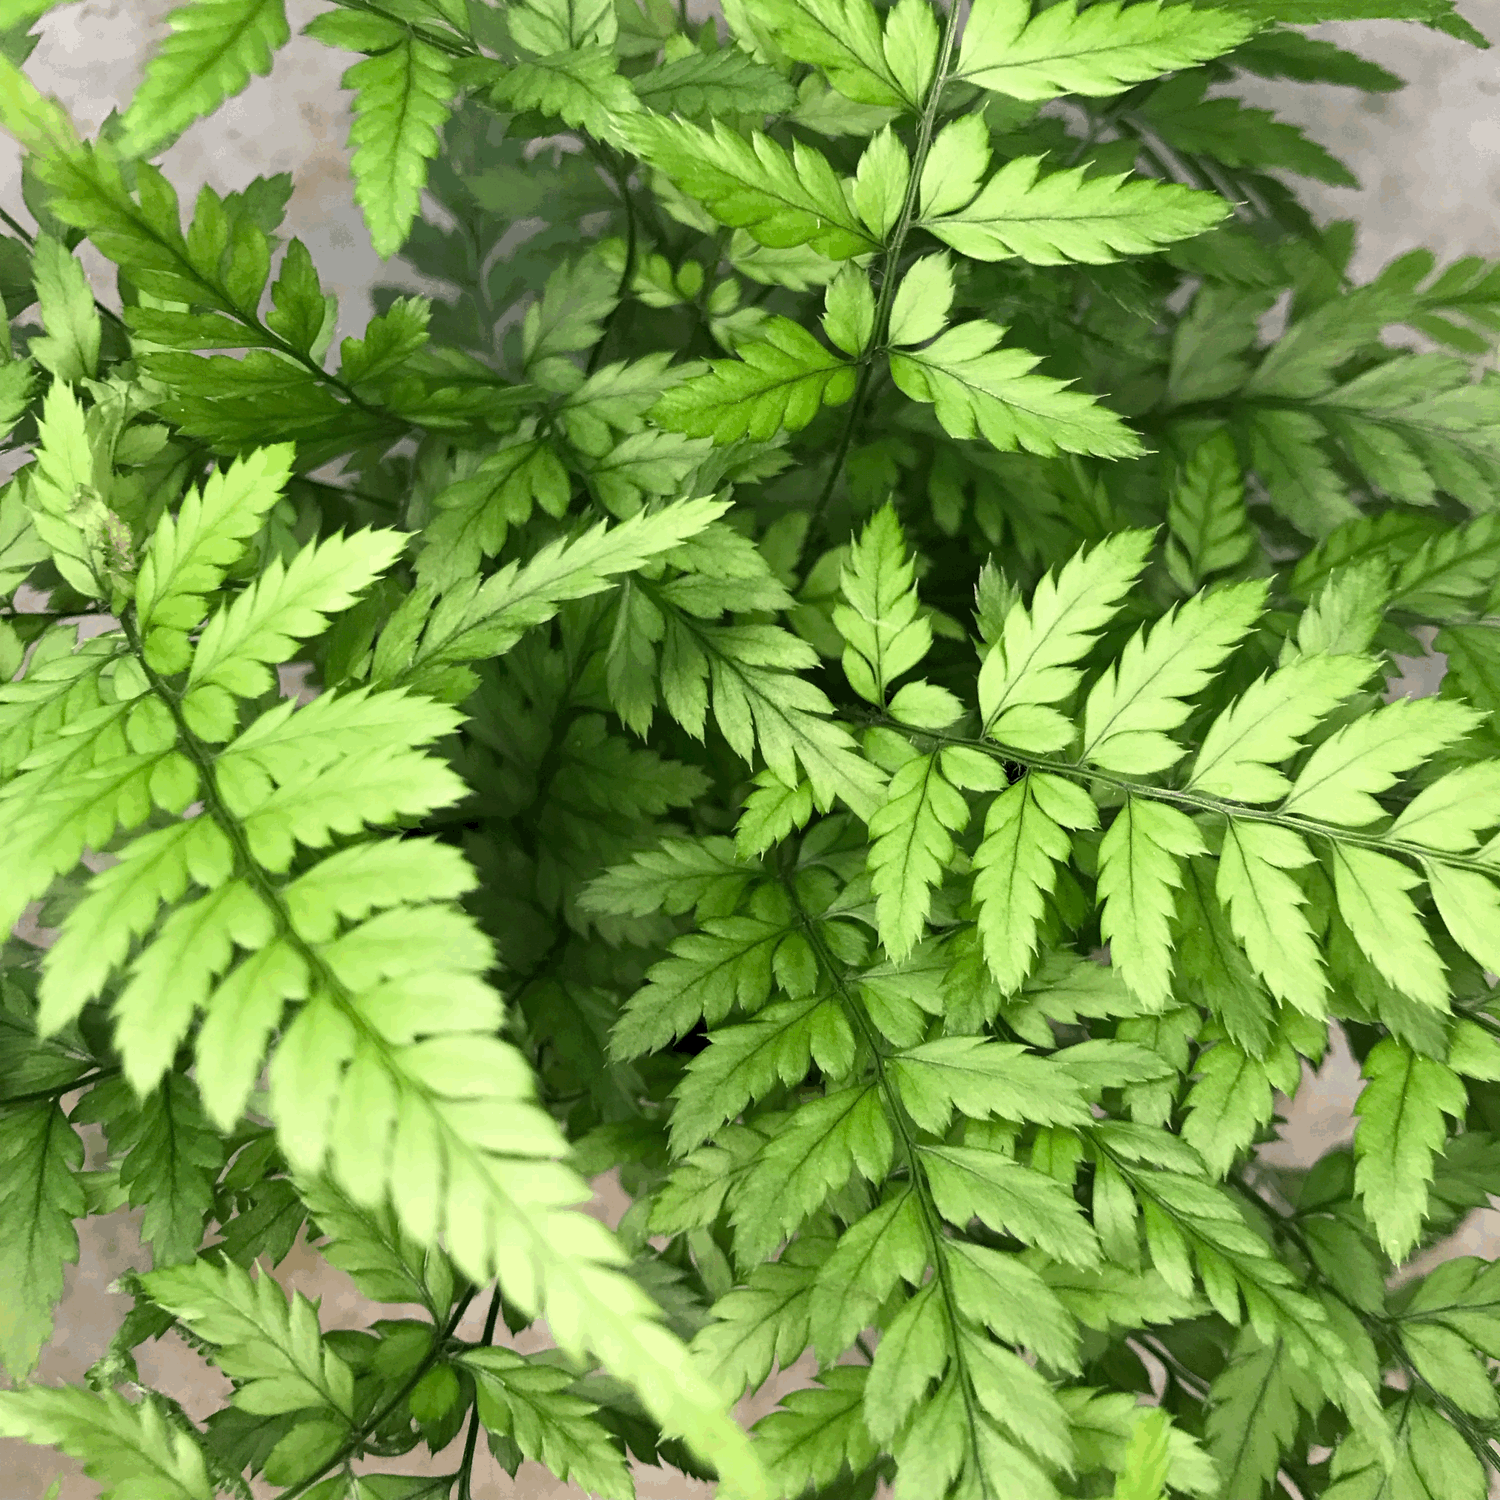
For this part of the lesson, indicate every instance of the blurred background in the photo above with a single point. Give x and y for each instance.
(1428, 162)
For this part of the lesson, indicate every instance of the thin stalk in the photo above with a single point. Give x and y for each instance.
(37, 1096)
(1197, 801)
(471, 1441)
(905, 1127)
(889, 266)
(627, 275)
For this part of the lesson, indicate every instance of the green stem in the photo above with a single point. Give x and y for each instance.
(471, 1441)
(37, 1096)
(1198, 801)
(889, 266)
(932, 1220)
(627, 275)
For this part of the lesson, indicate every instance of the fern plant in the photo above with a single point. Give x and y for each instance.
(847, 677)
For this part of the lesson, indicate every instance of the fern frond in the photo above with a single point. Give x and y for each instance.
(132, 1450)
(1093, 52)
(403, 94)
(782, 198)
(216, 47)
(1066, 217)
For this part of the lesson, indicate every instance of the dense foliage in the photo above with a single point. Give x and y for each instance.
(847, 680)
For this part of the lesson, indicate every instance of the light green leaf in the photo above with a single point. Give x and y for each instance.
(980, 390)
(765, 1322)
(880, 621)
(1033, 664)
(742, 1063)
(969, 1183)
(1372, 895)
(1344, 615)
(761, 702)
(133, 1451)
(982, 1080)
(188, 554)
(1450, 1366)
(273, 1347)
(845, 39)
(370, 1246)
(1096, 52)
(1264, 904)
(1141, 696)
(1432, 1459)
(1469, 905)
(708, 972)
(70, 348)
(1266, 725)
(1143, 1472)
(1015, 867)
(782, 199)
(911, 845)
(567, 318)
(1000, 1291)
(816, 1431)
(287, 603)
(956, 163)
(920, 308)
(529, 1402)
(823, 1144)
(1452, 812)
(880, 182)
(1400, 1128)
(1139, 868)
(1066, 216)
(778, 382)
(402, 100)
(553, 25)
(1105, 1424)
(1232, 1098)
(714, 83)
(849, 321)
(1344, 774)
(888, 1245)
(914, 1349)
(174, 1160)
(1258, 1403)
(216, 47)
(476, 618)
(679, 874)
(582, 86)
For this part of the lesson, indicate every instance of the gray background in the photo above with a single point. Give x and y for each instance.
(1428, 160)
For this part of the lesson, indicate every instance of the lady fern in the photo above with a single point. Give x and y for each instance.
(925, 940)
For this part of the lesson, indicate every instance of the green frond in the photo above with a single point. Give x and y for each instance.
(132, 1450)
(215, 48)
(837, 671)
(1093, 52)
(402, 97)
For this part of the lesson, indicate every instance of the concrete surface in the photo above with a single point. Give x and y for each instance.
(1429, 163)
